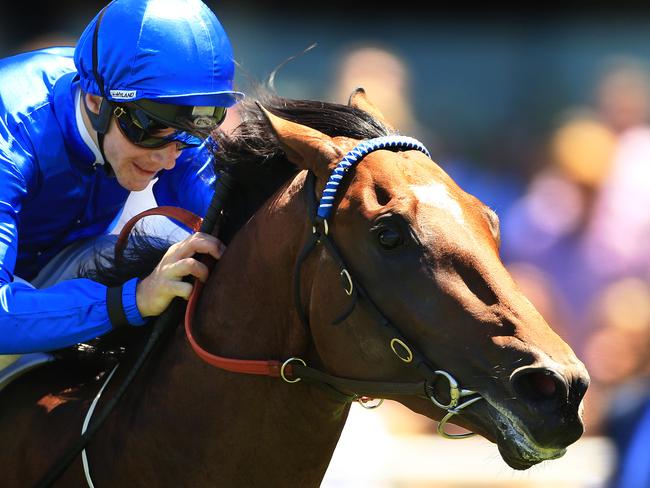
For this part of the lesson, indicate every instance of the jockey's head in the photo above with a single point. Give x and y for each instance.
(160, 70)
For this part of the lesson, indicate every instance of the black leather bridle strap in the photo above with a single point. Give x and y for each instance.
(309, 246)
(417, 361)
(357, 388)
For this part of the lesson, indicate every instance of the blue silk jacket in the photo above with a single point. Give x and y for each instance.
(52, 194)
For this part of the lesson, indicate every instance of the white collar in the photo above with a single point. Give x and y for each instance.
(83, 131)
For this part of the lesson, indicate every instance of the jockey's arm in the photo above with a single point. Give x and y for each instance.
(45, 319)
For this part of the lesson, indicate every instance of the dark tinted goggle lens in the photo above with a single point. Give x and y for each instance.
(140, 129)
(182, 117)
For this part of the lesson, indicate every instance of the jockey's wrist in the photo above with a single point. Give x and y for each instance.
(122, 306)
(130, 304)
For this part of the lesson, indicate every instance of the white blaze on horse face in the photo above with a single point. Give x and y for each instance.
(437, 195)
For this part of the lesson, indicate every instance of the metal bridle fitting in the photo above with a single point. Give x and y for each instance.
(456, 394)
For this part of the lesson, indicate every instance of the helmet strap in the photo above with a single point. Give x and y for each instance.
(101, 121)
(108, 169)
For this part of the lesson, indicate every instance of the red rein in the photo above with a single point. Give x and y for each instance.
(193, 221)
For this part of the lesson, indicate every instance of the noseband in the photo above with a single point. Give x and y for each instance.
(294, 369)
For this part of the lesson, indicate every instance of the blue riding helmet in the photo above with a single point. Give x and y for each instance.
(169, 51)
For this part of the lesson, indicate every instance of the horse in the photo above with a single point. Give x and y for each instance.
(391, 288)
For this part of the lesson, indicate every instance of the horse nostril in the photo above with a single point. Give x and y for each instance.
(544, 384)
(540, 386)
(579, 388)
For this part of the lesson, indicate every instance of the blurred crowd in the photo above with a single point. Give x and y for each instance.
(578, 239)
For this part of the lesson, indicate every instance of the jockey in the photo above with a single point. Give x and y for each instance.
(82, 127)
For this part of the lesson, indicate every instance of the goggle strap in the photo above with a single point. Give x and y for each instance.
(101, 121)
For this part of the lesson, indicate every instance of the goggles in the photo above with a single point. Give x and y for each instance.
(141, 123)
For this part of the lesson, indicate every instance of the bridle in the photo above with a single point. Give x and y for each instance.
(295, 369)
(353, 288)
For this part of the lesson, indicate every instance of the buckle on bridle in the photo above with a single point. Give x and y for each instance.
(320, 226)
(285, 364)
(454, 407)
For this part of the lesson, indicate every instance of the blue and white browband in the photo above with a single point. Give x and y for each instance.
(361, 150)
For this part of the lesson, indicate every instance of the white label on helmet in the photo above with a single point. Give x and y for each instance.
(123, 94)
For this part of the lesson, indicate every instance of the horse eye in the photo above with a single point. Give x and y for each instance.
(390, 238)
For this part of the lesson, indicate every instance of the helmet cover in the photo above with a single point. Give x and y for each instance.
(170, 51)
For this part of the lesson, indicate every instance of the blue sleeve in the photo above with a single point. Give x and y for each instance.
(42, 320)
(190, 183)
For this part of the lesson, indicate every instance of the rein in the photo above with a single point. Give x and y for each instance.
(295, 369)
(161, 327)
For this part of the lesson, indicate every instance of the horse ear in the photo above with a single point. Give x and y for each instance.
(305, 147)
(359, 99)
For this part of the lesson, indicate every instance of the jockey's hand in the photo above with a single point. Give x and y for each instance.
(155, 292)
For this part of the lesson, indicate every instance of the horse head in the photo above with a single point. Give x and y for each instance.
(436, 302)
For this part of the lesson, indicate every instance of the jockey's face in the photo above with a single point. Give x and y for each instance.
(134, 166)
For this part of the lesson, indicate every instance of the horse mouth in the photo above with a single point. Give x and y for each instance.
(517, 447)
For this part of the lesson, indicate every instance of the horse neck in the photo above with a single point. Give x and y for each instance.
(249, 303)
(247, 311)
